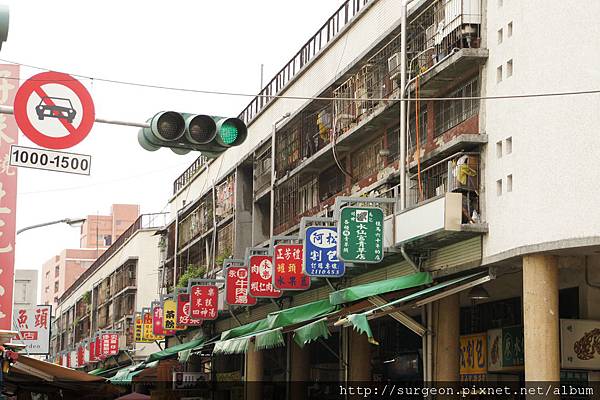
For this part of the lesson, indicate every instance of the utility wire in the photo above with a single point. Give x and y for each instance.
(270, 96)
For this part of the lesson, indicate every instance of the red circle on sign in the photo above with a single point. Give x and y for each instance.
(76, 134)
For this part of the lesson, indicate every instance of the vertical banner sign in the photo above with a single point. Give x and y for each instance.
(320, 252)
(236, 287)
(33, 325)
(139, 327)
(80, 355)
(72, 359)
(9, 78)
(98, 350)
(473, 357)
(261, 277)
(170, 318)
(288, 260)
(93, 350)
(158, 320)
(204, 301)
(110, 344)
(183, 311)
(362, 234)
(148, 328)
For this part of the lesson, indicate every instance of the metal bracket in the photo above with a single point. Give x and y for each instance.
(230, 262)
(256, 251)
(306, 222)
(344, 199)
(280, 239)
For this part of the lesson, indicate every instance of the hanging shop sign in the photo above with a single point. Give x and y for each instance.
(288, 273)
(361, 231)
(170, 315)
(81, 355)
(139, 328)
(9, 77)
(98, 348)
(86, 352)
(158, 327)
(261, 277)
(110, 344)
(183, 311)
(579, 344)
(473, 357)
(320, 252)
(506, 350)
(148, 327)
(204, 301)
(92, 345)
(237, 287)
(33, 327)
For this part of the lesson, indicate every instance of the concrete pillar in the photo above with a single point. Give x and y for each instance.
(540, 316)
(300, 371)
(254, 373)
(359, 357)
(446, 330)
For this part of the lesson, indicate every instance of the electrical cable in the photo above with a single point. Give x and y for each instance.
(239, 94)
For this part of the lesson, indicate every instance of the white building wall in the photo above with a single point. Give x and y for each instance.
(143, 245)
(378, 18)
(26, 288)
(555, 140)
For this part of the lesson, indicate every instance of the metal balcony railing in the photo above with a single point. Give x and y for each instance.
(458, 173)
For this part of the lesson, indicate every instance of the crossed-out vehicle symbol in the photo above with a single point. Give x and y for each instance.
(62, 109)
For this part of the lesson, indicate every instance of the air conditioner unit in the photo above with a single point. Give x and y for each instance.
(394, 66)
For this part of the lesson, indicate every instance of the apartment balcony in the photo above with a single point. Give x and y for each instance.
(443, 205)
(451, 69)
(444, 44)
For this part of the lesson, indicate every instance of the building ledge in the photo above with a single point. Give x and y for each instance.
(262, 193)
(449, 71)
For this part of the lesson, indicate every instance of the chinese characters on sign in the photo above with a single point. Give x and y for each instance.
(158, 327)
(261, 277)
(110, 344)
(170, 319)
(473, 358)
(236, 287)
(506, 350)
(362, 234)
(204, 301)
(33, 325)
(320, 244)
(139, 328)
(183, 311)
(288, 259)
(147, 327)
(8, 194)
(80, 355)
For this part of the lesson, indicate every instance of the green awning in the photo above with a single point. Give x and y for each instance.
(376, 288)
(269, 339)
(97, 371)
(124, 375)
(311, 332)
(174, 350)
(283, 318)
(361, 324)
(232, 346)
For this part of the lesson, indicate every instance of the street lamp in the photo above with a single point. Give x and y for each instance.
(67, 221)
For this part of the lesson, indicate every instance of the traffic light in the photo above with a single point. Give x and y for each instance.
(184, 132)
(4, 18)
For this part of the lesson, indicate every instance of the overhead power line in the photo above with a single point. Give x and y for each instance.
(325, 98)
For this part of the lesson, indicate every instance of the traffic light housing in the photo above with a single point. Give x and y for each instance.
(184, 132)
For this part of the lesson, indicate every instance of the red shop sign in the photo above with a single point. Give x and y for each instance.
(236, 287)
(204, 301)
(261, 277)
(183, 311)
(289, 259)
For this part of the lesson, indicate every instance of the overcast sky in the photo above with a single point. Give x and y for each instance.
(213, 45)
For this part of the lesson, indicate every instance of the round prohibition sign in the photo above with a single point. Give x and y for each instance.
(48, 108)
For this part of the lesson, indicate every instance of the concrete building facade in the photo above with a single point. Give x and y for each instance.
(99, 231)
(26, 288)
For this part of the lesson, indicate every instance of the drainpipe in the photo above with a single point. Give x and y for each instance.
(429, 342)
(274, 131)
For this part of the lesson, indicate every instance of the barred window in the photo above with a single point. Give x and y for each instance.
(367, 160)
(450, 113)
